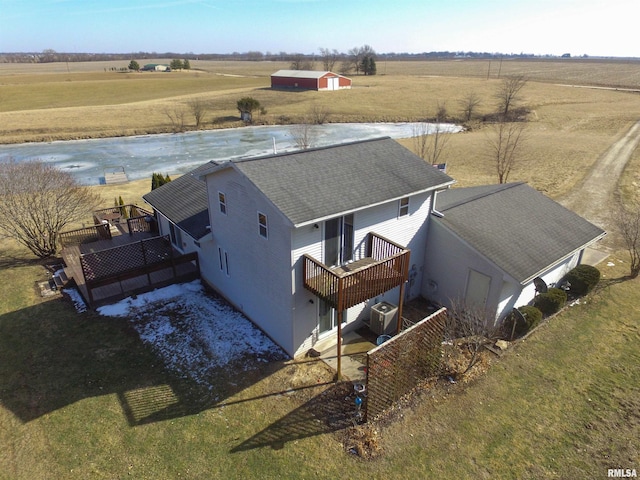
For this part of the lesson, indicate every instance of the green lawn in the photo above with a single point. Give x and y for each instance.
(83, 397)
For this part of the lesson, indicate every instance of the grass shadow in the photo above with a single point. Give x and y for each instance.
(17, 259)
(51, 357)
(330, 411)
(606, 283)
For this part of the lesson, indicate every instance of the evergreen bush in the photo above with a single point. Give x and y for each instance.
(531, 314)
(551, 301)
(582, 279)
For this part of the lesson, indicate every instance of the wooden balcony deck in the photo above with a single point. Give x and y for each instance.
(385, 267)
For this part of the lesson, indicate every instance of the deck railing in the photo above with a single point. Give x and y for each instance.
(388, 269)
(134, 268)
(85, 235)
(124, 211)
(129, 218)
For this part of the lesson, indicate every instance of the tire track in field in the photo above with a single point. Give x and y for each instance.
(594, 196)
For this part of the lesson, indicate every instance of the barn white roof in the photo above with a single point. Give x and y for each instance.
(301, 73)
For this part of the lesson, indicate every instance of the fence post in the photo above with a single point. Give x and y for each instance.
(144, 261)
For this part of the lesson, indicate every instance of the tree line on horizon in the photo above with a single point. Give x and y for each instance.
(50, 55)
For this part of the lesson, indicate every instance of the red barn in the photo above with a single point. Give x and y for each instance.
(309, 80)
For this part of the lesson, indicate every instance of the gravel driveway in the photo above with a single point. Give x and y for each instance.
(595, 195)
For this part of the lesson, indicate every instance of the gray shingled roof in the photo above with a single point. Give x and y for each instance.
(514, 226)
(320, 183)
(184, 202)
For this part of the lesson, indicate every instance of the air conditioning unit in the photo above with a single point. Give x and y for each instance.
(383, 318)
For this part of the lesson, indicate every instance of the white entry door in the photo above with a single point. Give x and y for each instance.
(477, 289)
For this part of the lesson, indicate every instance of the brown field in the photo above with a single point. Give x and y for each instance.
(569, 127)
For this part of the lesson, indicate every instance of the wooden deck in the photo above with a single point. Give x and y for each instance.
(71, 254)
(110, 270)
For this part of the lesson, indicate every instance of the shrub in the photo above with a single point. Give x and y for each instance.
(551, 301)
(582, 279)
(514, 326)
(532, 315)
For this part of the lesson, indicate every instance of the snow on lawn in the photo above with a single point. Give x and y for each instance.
(193, 332)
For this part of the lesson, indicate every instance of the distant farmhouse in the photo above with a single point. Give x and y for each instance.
(309, 80)
(156, 67)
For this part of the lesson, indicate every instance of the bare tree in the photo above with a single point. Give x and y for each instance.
(176, 116)
(509, 92)
(468, 329)
(329, 58)
(303, 135)
(468, 104)
(38, 201)
(356, 59)
(318, 114)
(504, 146)
(198, 108)
(628, 224)
(301, 62)
(430, 139)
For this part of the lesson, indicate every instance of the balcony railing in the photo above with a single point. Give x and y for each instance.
(385, 267)
(128, 218)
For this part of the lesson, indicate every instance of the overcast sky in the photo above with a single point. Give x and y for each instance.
(592, 27)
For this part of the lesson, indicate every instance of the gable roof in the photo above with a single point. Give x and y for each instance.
(184, 202)
(303, 73)
(311, 185)
(514, 226)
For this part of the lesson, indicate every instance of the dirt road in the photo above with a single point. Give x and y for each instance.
(595, 195)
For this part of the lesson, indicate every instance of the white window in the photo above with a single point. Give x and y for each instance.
(262, 225)
(403, 207)
(222, 200)
(176, 236)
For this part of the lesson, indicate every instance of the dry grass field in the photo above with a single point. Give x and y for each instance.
(568, 128)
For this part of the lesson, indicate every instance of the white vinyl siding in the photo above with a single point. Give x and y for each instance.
(259, 281)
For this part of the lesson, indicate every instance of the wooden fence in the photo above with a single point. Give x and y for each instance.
(395, 367)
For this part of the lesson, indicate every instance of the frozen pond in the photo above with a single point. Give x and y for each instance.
(178, 153)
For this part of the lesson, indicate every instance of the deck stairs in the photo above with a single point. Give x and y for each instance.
(60, 278)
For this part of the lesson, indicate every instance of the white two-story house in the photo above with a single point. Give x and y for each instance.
(305, 243)
(301, 240)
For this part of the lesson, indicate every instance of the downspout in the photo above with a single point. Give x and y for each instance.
(339, 353)
(405, 275)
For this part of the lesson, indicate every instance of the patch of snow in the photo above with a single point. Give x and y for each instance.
(193, 332)
(611, 264)
(76, 299)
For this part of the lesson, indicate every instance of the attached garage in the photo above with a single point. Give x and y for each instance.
(309, 80)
